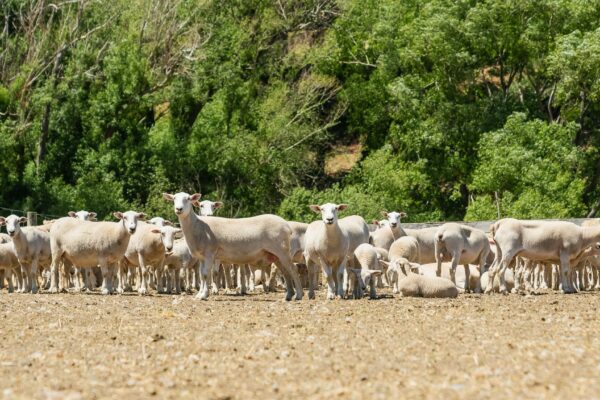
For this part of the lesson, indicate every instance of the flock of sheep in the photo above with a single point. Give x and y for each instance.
(78, 252)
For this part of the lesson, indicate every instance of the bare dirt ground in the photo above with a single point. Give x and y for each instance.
(74, 346)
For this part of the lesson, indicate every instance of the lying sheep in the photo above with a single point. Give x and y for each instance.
(414, 285)
(473, 283)
(397, 269)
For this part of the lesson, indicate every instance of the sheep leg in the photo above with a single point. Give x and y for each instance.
(492, 271)
(242, 279)
(564, 273)
(528, 267)
(506, 260)
(205, 266)
(341, 273)
(327, 270)
(143, 273)
(215, 277)
(105, 285)
(120, 277)
(312, 278)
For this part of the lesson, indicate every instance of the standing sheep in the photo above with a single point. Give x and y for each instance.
(368, 259)
(326, 245)
(255, 240)
(386, 235)
(32, 247)
(465, 245)
(88, 244)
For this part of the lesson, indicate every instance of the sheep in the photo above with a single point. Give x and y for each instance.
(357, 231)
(326, 244)
(406, 247)
(367, 257)
(426, 239)
(4, 238)
(208, 208)
(359, 279)
(32, 247)
(255, 240)
(556, 241)
(473, 283)
(410, 284)
(9, 264)
(181, 259)
(160, 221)
(83, 215)
(509, 278)
(147, 246)
(88, 244)
(385, 235)
(465, 245)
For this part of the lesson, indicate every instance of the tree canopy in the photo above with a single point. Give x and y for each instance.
(444, 109)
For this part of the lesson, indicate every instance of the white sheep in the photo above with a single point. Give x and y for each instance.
(83, 215)
(256, 240)
(4, 238)
(473, 283)
(32, 247)
(326, 245)
(414, 285)
(178, 260)
(160, 221)
(367, 257)
(88, 244)
(465, 245)
(406, 247)
(555, 241)
(426, 239)
(147, 247)
(387, 233)
(9, 264)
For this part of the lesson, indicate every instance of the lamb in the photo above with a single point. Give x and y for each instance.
(4, 238)
(32, 247)
(414, 285)
(256, 240)
(465, 245)
(88, 244)
(539, 241)
(386, 235)
(397, 269)
(327, 245)
(367, 257)
(147, 247)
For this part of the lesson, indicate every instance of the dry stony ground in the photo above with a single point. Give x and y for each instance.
(74, 346)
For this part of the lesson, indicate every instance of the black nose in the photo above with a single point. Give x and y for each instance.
(178, 210)
(393, 224)
(169, 248)
(131, 230)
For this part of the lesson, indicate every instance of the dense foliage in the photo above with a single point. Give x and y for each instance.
(445, 109)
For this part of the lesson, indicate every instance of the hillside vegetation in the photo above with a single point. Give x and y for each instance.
(447, 110)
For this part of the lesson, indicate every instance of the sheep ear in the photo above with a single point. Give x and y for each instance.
(168, 196)
(22, 220)
(167, 222)
(195, 197)
(118, 215)
(196, 203)
(375, 222)
(155, 231)
(218, 204)
(403, 214)
(384, 214)
(315, 208)
(141, 216)
(342, 207)
(2, 220)
(72, 214)
(93, 215)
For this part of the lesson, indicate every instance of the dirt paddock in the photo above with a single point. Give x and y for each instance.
(73, 346)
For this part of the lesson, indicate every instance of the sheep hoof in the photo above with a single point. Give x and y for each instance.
(201, 296)
(214, 291)
(105, 292)
(143, 292)
(34, 291)
(330, 296)
(299, 296)
(120, 291)
(52, 290)
(311, 295)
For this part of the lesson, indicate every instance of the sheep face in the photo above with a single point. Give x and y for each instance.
(12, 224)
(159, 221)
(83, 215)
(129, 219)
(393, 217)
(182, 202)
(167, 234)
(329, 212)
(208, 207)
